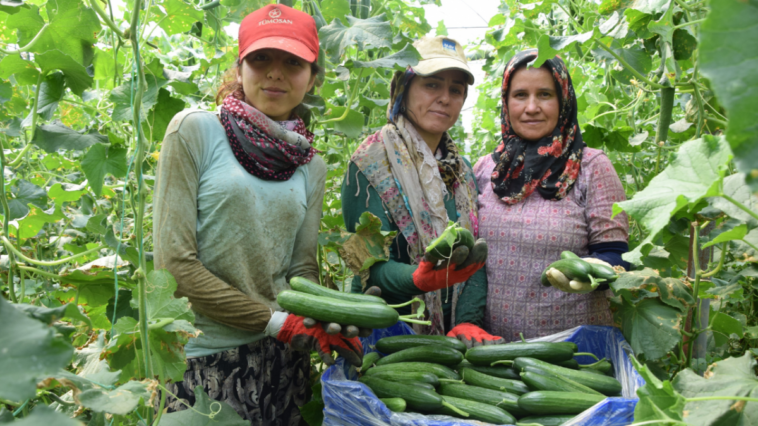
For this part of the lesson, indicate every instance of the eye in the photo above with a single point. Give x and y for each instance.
(258, 57)
(294, 62)
(431, 85)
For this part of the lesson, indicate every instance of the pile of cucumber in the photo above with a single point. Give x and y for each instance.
(538, 383)
(577, 270)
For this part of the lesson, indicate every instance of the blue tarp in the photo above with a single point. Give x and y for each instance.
(347, 402)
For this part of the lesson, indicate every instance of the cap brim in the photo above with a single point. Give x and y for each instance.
(280, 43)
(428, 67)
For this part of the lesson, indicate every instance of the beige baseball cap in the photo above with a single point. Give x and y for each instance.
(440, 54)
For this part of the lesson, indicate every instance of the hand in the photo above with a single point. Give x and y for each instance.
(473, 336)
(315, 338)
(348, 331)
(463, 263)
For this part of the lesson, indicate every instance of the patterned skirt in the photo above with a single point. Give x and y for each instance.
(264, 381)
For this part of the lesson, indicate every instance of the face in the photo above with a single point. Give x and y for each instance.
(275, 82)
(533, 106)
(434, 103)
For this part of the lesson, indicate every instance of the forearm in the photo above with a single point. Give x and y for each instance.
(473, 300)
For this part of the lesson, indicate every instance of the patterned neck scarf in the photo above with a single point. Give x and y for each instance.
(266, 148)
(449, 164)
(551, 164)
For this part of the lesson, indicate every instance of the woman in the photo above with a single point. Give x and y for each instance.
(542, 192)
(412, 177)
(238, 205)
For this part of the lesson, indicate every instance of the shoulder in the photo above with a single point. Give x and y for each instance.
(592, 157)
(369, 146)
(484, 166)
(192, 122)
(316, 168)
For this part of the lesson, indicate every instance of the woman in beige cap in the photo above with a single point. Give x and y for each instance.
(411, 175)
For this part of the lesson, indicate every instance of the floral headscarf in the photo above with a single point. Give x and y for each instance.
(551, 164)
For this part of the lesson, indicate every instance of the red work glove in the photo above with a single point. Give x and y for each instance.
(459, 268)
(315, 338)
(473, 336)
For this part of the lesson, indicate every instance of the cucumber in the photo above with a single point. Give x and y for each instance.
(421, 385)
(546, 351)
(327, 309)
(453, 236)
(538, 379)
(604, 366)
(553, 402)
(603, 271)
(569, 255)
(368, 360)
(477, 411)
(554, 420)
(430, 353)
(307, 286)
(392, 344)
(603, 384)
(573, 269)
(476, 378)
(394, 404)
(506, 401)
(416, 398)
(569, 363)
(592, 371)
(496, 370)
(397, 376)
(438, 370)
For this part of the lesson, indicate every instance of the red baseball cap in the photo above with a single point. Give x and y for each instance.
(279, 27)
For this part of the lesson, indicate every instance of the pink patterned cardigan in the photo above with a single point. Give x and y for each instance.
(526, 237)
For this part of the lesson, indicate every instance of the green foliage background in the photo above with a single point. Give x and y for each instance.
(87, 89)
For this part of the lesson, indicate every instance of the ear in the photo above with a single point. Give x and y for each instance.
(311, 83)
(239, 73)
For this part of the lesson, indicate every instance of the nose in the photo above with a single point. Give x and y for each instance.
(275, 72)
(532, 105)
(444, 98)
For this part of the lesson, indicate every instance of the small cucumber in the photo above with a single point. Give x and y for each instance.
(398, 376)
(496, 370)
(546, 351)
(573, 269)
(422, 385)
(392, 344)
(307, 286)
(569, 255)
(569, 363)
(477, 411)
(476, 378)
(368, 361)
(539, 379)
(396, 405)
(604, 366)
(505, 400)
(441, 248)
(554, 420)
(603, 271)
(603, 384)
(553, 402)
(438, 370)
(430, 353)
(327, 309)
(416, 398)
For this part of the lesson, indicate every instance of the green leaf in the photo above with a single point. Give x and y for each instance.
(695, 172)
(684, 44)
(658, 400)
(100, 160)
(735, 187)
(651, 327)
(352, 125)
(336, 37)
(335, 9)
(122, 98)
(161, 303)
(736, 233)
(50, 315)
(441, 29)
(650, 6)
(94, 286)
(24, 193)
(43, 415)
(647, 283)
(161, 114)
(200, 414)
(730, 377)
(51, 92)
(24, 71)
(122, 400)
(30, 226)
(77, 77)
(71, 28)
(723, 323)
(60, 195)
(408, 55)
(180, 16)
(31, 353)
(664, 26)
(549, 46)
(52, 137)
(730, 61)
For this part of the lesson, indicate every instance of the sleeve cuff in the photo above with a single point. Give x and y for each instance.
(275, 323)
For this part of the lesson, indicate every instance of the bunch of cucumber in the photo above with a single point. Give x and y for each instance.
(577, 270)
(451, 238)
(541, 383)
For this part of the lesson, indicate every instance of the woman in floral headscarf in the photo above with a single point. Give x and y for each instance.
(544, 191)
(412, 177)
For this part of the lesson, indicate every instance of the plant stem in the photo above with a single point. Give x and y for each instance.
(695, 311)
(457, 410)
(741, 206)
(20, 156)
(21, 255)
(39, 272)
(108, 21)
(350, 100)
(682, 25)
(627, 66)
(415, 321)
(716, 398)
(6, 214)
(721, 262)
(587, 354)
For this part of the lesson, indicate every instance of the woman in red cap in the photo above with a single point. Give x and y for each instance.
(238, 205)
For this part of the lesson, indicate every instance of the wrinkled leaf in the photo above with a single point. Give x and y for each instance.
(658, 400)
(651, 327)
(549, 46)
(50, 315)
(723, 325)
(37, 218)
(736, 188)
(25, 193)
(181, 16)
(408, 55)
(736, 233)
(122, 400)
(52, 137)
(75, 74)
(199, 416)
(100, 160)
(730, 377)
(336, 37)
(45, 416)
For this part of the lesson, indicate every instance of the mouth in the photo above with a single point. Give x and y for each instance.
(273, 91)
(533, 122)
(440, 114)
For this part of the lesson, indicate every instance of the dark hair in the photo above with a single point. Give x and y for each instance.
(230, 85)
